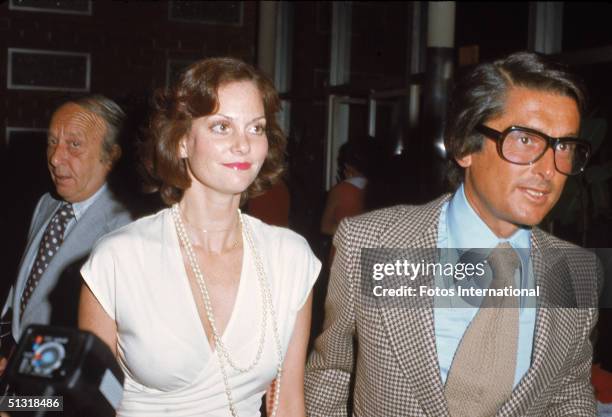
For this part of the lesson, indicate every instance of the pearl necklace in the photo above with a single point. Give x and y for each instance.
(205, 230)
(221, 350)
(234, 245)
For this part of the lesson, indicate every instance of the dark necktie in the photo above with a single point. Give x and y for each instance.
(48, 247)
(481, 377)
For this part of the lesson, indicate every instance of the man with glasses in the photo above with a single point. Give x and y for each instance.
(512, 141)
(524, 146)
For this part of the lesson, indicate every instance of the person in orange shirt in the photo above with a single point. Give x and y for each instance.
(346, 199)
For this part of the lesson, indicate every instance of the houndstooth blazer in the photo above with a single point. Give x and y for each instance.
(394, 361)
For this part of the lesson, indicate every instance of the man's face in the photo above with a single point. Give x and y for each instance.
(74, 153)
(505, 195)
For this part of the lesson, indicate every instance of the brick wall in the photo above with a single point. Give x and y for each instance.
(130, 44)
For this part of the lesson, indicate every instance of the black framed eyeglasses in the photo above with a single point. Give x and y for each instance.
(524, 146)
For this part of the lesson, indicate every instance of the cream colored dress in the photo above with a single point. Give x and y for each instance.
(138, 276)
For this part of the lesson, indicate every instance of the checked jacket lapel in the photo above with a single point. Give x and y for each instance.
(551, 327)
(410, 329)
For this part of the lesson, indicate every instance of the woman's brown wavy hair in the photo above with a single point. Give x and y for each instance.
(195, 95)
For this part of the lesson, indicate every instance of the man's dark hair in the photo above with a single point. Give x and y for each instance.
(480, 95)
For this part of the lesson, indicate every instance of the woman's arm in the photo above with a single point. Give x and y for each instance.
(93, 318)
(292, 381)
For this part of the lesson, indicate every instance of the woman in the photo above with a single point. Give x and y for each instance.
(205, 307)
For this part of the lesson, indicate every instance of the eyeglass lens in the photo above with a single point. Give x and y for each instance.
(523, 147)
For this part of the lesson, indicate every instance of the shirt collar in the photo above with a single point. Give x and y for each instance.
(359, 182)
(81, 207)
(467, 230)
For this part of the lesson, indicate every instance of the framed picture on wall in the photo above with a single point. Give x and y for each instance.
(52, 6)
(37, 69)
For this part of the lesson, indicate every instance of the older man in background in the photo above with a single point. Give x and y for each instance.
(82, 149)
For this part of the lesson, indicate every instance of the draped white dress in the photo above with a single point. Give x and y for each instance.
(138, 276)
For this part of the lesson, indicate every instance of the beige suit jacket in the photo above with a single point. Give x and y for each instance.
(394, 361)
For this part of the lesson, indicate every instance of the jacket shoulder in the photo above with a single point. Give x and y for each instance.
(584, 265)
(393, 220)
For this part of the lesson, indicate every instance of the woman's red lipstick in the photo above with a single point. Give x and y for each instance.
(242, 166)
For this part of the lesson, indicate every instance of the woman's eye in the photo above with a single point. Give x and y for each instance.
(75, 144)
(220, 127)
(258, 129)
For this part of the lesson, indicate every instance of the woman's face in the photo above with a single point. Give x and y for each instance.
(226, 150)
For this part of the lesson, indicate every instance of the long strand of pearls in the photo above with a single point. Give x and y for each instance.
(279, 350)
(208, 305)
(267, 307)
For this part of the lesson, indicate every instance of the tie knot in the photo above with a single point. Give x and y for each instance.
(66, 212)
(503, 261)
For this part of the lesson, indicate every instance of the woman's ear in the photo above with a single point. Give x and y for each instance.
(183, 148)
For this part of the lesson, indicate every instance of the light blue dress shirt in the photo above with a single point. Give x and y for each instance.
(81, 207)
(461, 227)
(79, 210)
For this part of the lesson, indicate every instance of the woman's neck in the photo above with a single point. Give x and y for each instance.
(211, 221)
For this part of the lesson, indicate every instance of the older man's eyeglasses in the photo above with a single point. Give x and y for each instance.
(524, 146)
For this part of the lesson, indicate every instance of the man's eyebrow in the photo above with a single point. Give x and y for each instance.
(568, 135)
(67, 135)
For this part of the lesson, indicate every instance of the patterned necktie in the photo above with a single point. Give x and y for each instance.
(48, 247)
(481, 377)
